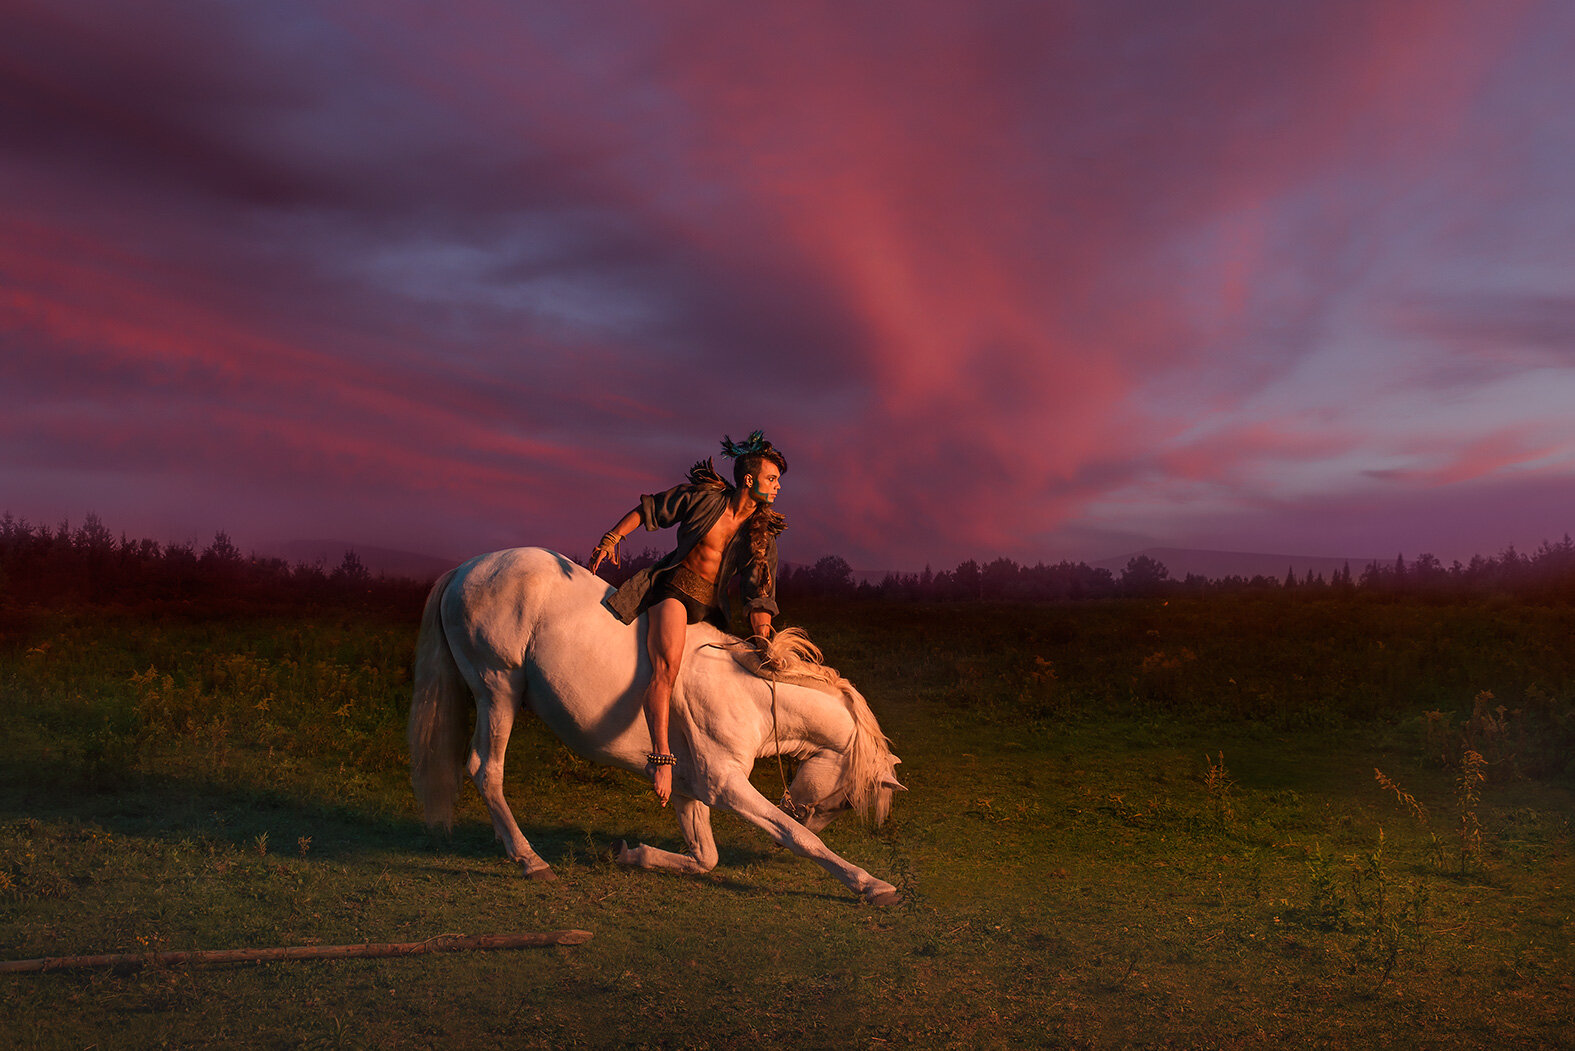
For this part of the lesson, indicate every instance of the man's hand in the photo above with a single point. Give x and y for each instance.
(760, 632)
(607, 549)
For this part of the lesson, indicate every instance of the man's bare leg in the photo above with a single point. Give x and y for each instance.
(667, 628)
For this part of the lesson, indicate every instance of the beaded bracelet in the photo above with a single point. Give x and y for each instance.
(661, 759)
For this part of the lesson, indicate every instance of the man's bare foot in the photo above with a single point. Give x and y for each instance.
(664, 783)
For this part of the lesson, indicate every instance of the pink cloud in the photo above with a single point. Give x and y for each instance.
(1235, 454)
(976, 267)
(1492, 455)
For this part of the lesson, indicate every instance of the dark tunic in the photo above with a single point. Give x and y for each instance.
(694, 509)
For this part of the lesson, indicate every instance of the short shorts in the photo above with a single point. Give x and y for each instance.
(697, 594)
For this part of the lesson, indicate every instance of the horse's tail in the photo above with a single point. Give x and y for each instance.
(438, 715)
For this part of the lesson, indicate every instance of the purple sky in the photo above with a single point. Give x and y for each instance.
(1043, 280)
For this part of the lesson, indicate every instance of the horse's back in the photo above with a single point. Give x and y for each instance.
(503, 598)
(520, 572)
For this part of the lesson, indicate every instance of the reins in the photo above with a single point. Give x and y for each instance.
(797, 811)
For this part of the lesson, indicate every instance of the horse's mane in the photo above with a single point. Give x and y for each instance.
(791, 655)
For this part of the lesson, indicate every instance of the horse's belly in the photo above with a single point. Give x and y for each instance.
(593, 706)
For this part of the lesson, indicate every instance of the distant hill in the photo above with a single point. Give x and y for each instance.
(379, 561)
(1216, 565)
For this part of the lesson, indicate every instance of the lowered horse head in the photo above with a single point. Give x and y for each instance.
(861, 774)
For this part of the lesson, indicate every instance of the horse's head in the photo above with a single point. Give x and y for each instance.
(825, 787)
(862, 774)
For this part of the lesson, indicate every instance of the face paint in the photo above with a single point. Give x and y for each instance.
(764, 489)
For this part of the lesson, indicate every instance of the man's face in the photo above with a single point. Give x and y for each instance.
(765, 484)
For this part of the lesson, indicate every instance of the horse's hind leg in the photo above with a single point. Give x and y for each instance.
(494, 721)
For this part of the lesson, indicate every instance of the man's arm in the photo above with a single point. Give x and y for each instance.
(759, 623)
(760, 603)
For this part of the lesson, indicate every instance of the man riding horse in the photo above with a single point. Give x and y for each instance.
(723, 532)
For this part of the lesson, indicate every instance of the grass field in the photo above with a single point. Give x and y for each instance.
(1129, 824)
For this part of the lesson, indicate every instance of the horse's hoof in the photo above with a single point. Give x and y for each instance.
(884, 896)
(544, 874)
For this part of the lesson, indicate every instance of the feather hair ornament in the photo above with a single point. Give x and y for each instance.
(755, 443)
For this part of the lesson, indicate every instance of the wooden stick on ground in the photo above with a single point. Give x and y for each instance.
(442, 943)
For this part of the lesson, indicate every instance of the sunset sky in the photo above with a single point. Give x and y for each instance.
(1036, 279)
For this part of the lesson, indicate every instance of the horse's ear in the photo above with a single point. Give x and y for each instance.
(890, 780)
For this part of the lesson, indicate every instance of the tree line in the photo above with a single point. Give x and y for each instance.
(89, 564)
(1549, 571)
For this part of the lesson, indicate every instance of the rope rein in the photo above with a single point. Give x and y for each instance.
(797, 811)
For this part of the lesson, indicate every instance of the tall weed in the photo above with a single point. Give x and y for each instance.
(1467, 796)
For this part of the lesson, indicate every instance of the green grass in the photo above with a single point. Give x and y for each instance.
(1099, 848)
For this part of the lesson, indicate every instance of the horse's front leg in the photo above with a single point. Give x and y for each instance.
(694, 817)
(741, 797)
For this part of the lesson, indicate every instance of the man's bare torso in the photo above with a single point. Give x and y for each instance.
(705, 558)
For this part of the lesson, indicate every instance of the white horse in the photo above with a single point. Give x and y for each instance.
(527, 628)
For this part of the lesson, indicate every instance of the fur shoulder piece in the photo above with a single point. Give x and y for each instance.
(769, 521)
(703, 473)
(760, 530)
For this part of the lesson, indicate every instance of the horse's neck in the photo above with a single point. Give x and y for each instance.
(808, 721)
